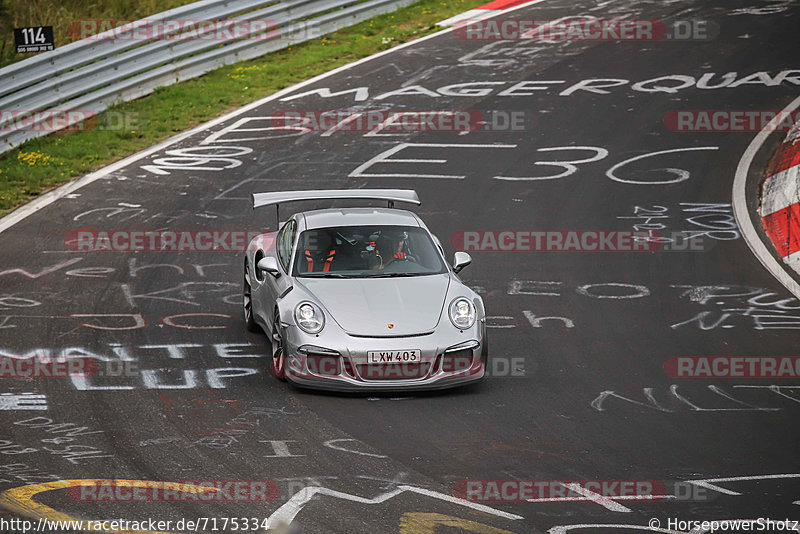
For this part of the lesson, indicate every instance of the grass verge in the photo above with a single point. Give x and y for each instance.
(46, 162)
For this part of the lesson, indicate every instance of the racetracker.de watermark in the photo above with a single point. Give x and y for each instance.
(93, 240)
(733, 367)
(44, 367)
(572, 241)
(453, 364)
(730, 120)
(190, 29)
(585, 29)
(180, 491)
(67, 120)
(557, 490)
(378, 122)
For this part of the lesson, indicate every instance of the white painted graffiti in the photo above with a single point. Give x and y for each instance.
(180, 320)
(160, 379)
(198, 158)
(25, 473)
(11, 301)
(726, 402)
(772, 7)
(61, 433)
(680, 174)
(569, 166)
(22, 401)
(117, 354)
(120, 212)
(741, 306)
(133, 270)
(669, 84)
(277, 126)
(47, 270)
(709, 220)
(183, 293)
(8, 447)
(124, 211)
(565, 167)
(123, 353)
(733, 306)
(222, 437)
(385, 158)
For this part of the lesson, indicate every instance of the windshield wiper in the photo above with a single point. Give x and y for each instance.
(393, 275)
(324, 275)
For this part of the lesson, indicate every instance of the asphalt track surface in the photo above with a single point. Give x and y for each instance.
(178, 418)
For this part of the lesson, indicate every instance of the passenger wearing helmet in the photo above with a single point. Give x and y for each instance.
(319, 251)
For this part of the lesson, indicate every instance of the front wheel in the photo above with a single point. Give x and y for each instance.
(485, 354)
(278, 362)
(247, 302)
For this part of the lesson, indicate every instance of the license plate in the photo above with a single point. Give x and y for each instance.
(393, 356)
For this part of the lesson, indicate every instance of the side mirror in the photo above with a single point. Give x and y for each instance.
(270, 265)
(461, 260)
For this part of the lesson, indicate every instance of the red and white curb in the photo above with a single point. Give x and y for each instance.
(485, 11)
(780, 200)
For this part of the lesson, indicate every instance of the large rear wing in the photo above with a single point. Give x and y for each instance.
(390, 195)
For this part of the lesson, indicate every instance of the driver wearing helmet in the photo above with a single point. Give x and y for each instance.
(388, 247)
(399, 247)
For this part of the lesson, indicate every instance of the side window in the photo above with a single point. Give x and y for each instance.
(285, 241)
(279, 241)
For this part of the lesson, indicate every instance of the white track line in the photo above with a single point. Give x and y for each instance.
(60, 192)
(707, 482)
(749, 233)
(289, 510)
(587, 495)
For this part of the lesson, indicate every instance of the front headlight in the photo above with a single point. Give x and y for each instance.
(309, 317)
(462, 313)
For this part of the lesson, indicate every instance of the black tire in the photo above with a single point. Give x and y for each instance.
(277, 361)
(485, 354)
(247, 303)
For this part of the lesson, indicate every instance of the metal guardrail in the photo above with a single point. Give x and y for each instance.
(92, 74)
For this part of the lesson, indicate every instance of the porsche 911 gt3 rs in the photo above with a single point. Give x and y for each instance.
(362, 298)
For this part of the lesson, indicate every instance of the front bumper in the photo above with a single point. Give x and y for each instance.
(337, 361)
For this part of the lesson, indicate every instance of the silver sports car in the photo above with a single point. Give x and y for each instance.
(362, 298)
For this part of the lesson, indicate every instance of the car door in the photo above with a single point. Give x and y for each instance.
(271, 288)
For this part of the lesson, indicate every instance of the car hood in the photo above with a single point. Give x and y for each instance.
(367, 306)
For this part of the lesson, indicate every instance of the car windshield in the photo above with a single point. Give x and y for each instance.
(366, 252)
